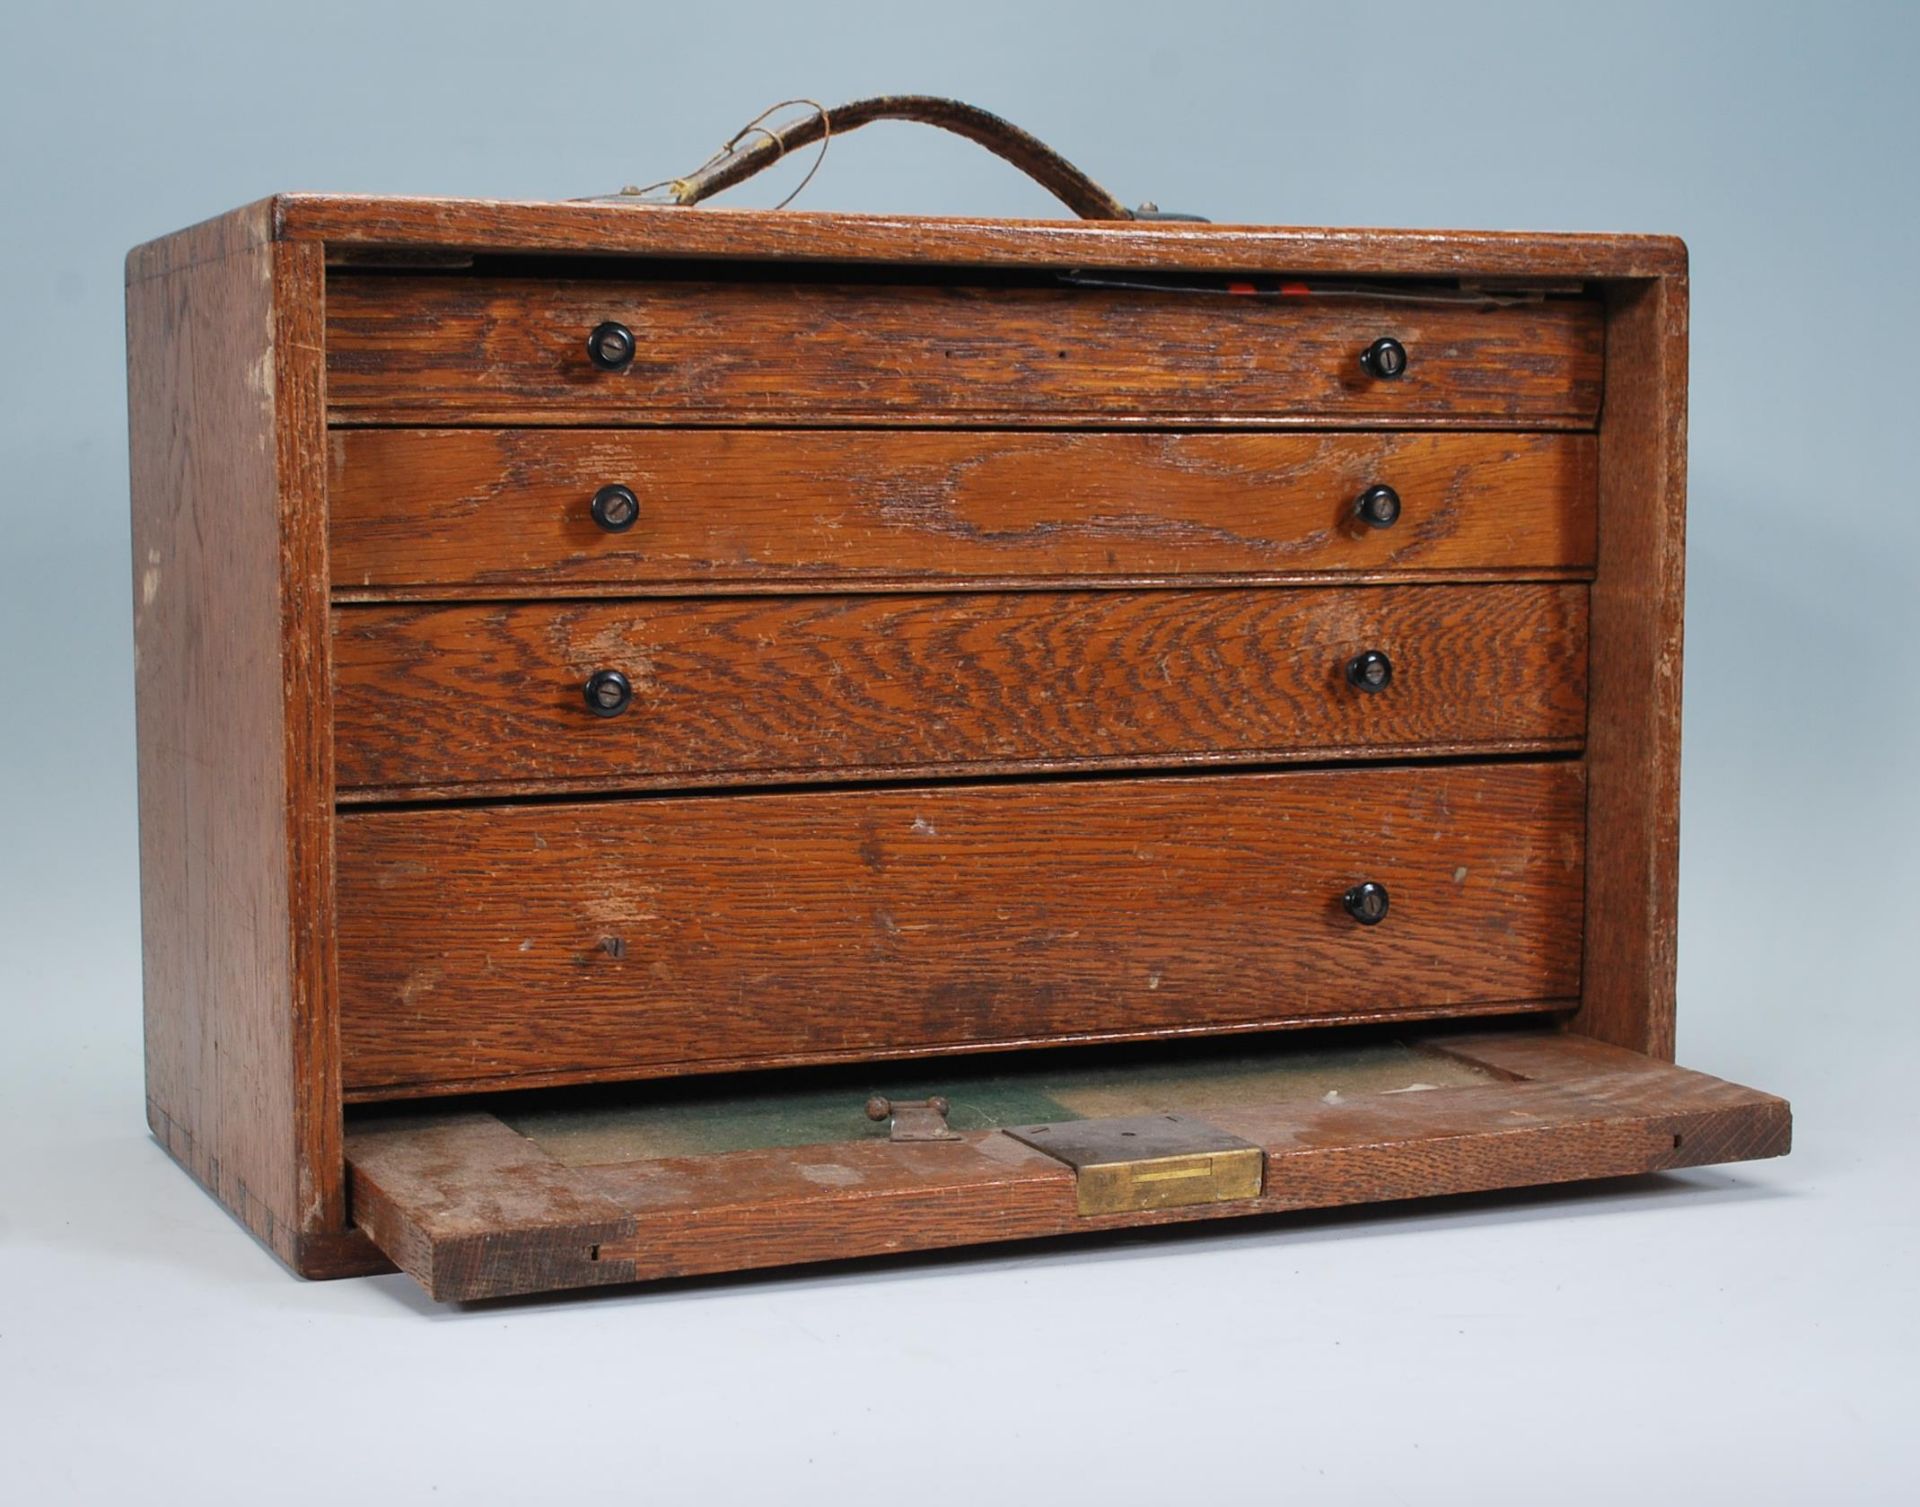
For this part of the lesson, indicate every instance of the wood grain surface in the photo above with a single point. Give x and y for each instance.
(489, 699)
(234, 747)
(473, 1210)
(656, 936)
(1633, 897)
(413, 511)
(388, 224)
(1181, 441)
(489, 350)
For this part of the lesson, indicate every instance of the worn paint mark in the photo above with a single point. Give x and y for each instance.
(831, 1175)
(625, 906)
(420, 981)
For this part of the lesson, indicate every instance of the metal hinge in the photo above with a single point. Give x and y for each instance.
(912, 1119)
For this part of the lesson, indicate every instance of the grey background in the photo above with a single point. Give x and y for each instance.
(1726, 1335)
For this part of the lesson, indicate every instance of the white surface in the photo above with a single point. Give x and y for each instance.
(1742, 1336)
(1737, 1334)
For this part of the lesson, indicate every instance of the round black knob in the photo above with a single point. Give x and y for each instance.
(1386, 358)
(608, 692)
(615, 509)
(1366, 903)
(611, 346)
(1378, 507)
(1371, 672)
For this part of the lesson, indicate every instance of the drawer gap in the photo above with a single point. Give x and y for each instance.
(698, 591)
(373, 801)
(1057, 771)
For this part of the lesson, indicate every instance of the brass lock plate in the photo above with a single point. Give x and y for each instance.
(1141, 1162)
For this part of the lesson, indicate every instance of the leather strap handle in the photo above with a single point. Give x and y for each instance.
(768, 144)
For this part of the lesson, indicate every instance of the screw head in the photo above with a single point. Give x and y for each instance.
(611, 346)
(1366, 903)
(1386, 359)
(1370, 671)
(607, 693)
(1378, 506)
(615, 509)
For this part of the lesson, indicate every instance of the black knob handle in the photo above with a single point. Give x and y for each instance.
(1378, 507)
(608, 692)
(1371, 672)
(615, 509)
(611, 346)
(1386, 359)
(1366, 903)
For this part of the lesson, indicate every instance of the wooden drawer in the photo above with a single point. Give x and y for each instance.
(747, 351)
(414, 510)
(490, 699)
(634, 938)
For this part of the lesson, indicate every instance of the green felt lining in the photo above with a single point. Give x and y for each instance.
(650, 1121)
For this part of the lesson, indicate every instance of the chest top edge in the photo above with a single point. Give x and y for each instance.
(598, 228)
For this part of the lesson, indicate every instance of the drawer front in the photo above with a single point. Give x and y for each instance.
(491, 699)
(579, 941)
(786, 509)
(473, 350)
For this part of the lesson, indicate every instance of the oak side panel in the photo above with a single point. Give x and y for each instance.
(488, 700)
(455, 509)
(232, 688)
(489, 350)
(1633, 732)
(647, 937)
(355, 222)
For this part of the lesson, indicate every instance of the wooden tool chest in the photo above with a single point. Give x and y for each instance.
(652, 719)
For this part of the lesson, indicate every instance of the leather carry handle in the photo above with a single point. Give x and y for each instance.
(768, 144)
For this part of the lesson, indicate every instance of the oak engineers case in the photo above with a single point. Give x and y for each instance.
(596, 644)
